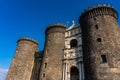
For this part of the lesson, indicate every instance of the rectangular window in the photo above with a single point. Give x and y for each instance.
(43, 74)
(45, 65)
(104, 59)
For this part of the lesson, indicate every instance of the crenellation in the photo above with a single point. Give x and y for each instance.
(98, 11)
(100, 46)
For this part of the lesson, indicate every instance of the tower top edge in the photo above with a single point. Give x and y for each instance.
(98, 6)
(54, 26)
(100, 9)
(28, 39)
(57, 24)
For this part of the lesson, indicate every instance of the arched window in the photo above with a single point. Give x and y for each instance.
(73, 43)
(74, 73)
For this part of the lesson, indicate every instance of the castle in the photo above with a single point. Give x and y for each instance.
(89, 51)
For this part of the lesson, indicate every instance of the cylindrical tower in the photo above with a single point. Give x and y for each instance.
(51, 68)
(23, 61)
(101, 42)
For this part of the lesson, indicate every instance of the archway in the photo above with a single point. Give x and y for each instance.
(74, 73)
(73, 43)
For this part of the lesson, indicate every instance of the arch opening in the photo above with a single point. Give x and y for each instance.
(74, 73)
(73, 43)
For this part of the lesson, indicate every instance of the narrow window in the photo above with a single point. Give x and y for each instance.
(103, 57)
(45, 65)
(99, 39)
(96, 26)
(43, 74)
(95, 19)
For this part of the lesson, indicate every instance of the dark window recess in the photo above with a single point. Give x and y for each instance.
(73, 43)
(96, 26)
(74, 73)
(43, 74)
(99, 39)
(45, 65)
(95, 19)
(104, 59)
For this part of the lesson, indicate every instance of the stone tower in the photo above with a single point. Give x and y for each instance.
(23, 61)
(101, 43)
(51, 68)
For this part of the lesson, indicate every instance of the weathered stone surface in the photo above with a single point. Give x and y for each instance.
(23, 61)
(98, 51)
(100, 36)
(51, 68)
(37, 65)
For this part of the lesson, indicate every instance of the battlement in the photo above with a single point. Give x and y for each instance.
(28, 39)
(58, 25)
(98, 11)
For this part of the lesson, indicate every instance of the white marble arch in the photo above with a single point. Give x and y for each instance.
(67, 68)
(73, 55)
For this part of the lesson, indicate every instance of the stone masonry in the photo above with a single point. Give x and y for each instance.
(51, 68)
(88, 51)
(101, 43)
(23, 61)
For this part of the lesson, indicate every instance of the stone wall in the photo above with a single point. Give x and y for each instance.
(37, 65)
(101, 42)
(23, 61)
(51, 68)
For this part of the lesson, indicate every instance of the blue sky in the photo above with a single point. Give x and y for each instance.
(19, 18)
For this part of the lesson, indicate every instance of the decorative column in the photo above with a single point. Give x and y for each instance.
(80, 71)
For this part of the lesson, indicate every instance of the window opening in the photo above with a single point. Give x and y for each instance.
(95, 19)
(45, 65)
(104, 60)
(99, 39)
(96, 26)
(73, 43)
(74, 73)
(43, 74)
